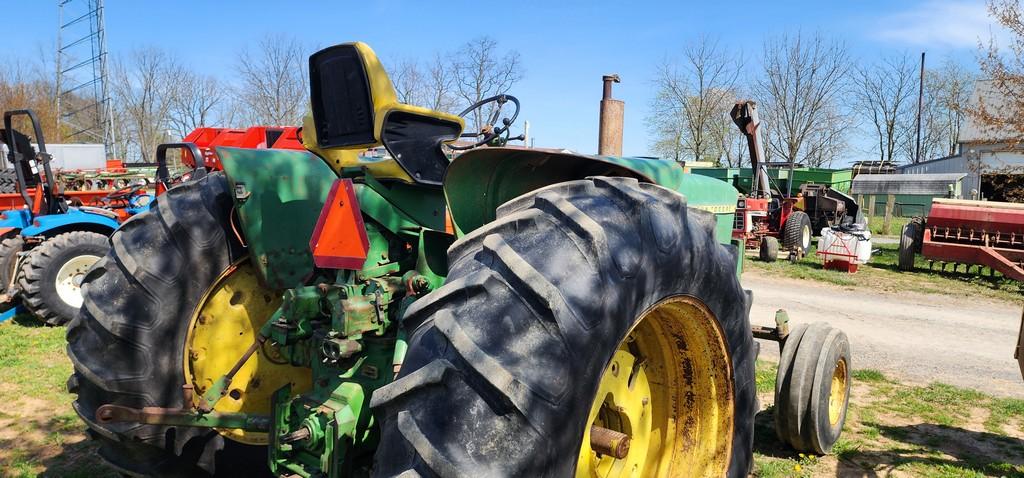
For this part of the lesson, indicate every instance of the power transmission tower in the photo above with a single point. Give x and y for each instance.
(83, 101)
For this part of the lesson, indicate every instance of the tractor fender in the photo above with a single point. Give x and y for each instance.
(74, 220)
(278, 195)
(480, 180)
(12, 221)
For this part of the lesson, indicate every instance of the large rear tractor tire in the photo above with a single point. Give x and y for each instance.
(908, 246)
(10, 252)
(128, 344)
(51, 275)
(596, 328)
(797, 233)
(812, 387)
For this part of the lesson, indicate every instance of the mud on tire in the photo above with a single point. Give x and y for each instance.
(127, 343)
(504, 360)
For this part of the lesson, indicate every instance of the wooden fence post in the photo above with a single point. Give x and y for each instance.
(871, 205)
(890, 204)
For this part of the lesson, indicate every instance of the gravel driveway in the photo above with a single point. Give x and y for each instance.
(916, 338)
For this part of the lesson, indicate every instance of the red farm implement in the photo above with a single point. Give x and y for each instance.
(256, 137)
(204, 141)
(982, 233)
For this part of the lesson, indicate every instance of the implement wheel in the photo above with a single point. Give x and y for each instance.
(52, 273)
(172, 302)
(595, 329)
(769, 250)
(812, 387)
(908, 246)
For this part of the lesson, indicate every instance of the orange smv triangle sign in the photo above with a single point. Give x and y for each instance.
(339, 240)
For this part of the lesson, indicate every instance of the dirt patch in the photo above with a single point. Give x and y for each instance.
(39, 438)
(887, 434)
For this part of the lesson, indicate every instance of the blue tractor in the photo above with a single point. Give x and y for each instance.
(49, 243)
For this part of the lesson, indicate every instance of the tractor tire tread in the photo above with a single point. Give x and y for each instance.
(467, 393)
(38, 294)
(126, 344)
(793, 232)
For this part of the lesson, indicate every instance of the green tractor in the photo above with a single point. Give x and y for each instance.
(509, 312)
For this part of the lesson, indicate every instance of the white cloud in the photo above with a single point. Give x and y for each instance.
(939, 23)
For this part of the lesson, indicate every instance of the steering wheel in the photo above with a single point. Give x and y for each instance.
(490, 130)
(123, 193)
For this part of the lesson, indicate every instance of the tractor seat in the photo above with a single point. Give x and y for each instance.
(415, 139)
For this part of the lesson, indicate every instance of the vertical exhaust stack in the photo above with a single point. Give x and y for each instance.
(609, 142)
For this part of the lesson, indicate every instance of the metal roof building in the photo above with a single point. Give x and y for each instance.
(914, 192)
(984, 152)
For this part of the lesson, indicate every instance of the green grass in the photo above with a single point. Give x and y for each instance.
(936, 403)
(868, 375)
(896, 224)
(1001, 410)
(34, 369)
(881, 274)
(33, 360)
(765, 376)
(917, 430)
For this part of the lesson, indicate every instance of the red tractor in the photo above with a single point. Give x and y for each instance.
(766, 217)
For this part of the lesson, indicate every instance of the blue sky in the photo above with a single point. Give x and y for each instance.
(566, 46)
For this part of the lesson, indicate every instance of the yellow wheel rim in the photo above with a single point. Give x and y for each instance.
(223, 327)
(837, 395)
(669, 388)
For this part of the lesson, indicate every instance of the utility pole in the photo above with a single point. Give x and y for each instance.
(920, 108)
(83, 103)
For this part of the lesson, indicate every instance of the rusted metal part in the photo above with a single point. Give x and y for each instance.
(220, 388)
(187, 394)
(609, 141)
(181, 417)
(609, 442)
(765, 333)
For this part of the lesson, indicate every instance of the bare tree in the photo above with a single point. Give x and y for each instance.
(885, 96)
(429, 84)
(1004, 118)
(409, 82)
(24, 85)
(481, 71)
(142, 85)
(799, 90)
(440, 92)
(690, 111)
(946, 94)
(951, 84)
(274, 83)
(196, 101)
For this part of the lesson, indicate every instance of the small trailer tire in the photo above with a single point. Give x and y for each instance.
(812, 388)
